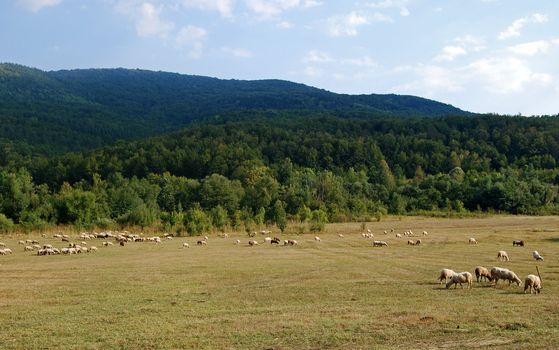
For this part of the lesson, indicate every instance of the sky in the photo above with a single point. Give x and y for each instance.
(487, 56)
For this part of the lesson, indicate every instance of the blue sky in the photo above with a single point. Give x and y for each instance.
(497, 56)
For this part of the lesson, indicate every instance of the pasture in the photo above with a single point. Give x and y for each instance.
(340, 293)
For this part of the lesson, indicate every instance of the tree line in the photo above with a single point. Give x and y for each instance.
(247, 170)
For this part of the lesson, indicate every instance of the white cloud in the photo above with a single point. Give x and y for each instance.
(315, 56)
(514, 29)
(191, 37)
(505, 75)
(312, 72)
(531, 48)
(224, 7)
(285, 25)
(363, 62)
(449, 53)
(462, 46)
(36, 5)
(270, 8)
(401, 5)
(347, 25)
(150, 24)
(237, 52)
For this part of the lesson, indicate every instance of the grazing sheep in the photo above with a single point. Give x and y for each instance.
(65, 239)
(292, 242)
(459, 278)
(380, 244)
(317, 239)
(425, 233)
(238, 241)
(418, 242)
(472, 240)
(481, 273)
(206, 238)
(498, 273)
(106, 244)
(7, 251)
(36, 246)
(27, 248)
(268, 239)
(275, 240)
(537, 255)
(398, 235)
(411, 242)
(121, 243)
(445, 274)
(518, 242)
(285, 242)
(92, 249)
(532, 281)
(201, 242)
(21, 242)
(185, 245)
(502, 255)
(252, 243)
(340, 235)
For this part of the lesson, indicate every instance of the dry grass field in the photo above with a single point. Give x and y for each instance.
(340, 293)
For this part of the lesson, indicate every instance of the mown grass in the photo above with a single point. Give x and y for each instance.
(340, 293)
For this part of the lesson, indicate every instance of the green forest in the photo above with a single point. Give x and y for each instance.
(244, 168)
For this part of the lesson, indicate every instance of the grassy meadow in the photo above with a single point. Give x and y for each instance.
(340, 293)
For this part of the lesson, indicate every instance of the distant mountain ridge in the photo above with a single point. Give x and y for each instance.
(75, 110)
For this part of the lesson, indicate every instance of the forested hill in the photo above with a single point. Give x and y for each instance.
(74, 110)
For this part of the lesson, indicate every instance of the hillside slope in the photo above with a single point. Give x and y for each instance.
(75, 110)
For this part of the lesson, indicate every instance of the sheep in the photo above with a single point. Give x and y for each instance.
(481, 273)
(252, 243)
(472, 240)
(445, 274)
(106, 244)
(340, 235)
(498, 273)
(238, 241)
(385, 232)
(518, 242)
(268, 239)
(36, 246)
(7, 251)
(398, 235)
(459, 278)
(21, 242)
(425, 233)
(185, 245)
(292, 242)
(537, 255)
(27, 248)
(201, 242)
(317, 239)
(418, 242)
(206, 238)
(502, 255)
(532, 282)
(275, 240)
(411, 242)
(92, 249)
(2, 244)
(285, 242)
(380, 244)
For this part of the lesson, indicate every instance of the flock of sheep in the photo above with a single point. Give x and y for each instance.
(532, 282)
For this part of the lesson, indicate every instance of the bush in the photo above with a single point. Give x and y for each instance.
(5, 223)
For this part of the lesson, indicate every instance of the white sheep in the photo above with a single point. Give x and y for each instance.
(340, 235)
(502, 255)
(185, 245)
(92, 249)
(472, 240)
(411, 242)
(7, 251)
(238, 241)
(27, 248)
(398, 235)
(425, 233)
(21, 242)
(317, 239)
(459, 278)
(532, 281)
(445, 274)
(252, 243)
(268, 239)
(498, 273)
(380, 244)
(537, 255)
